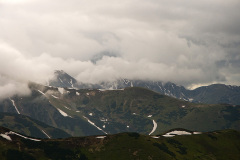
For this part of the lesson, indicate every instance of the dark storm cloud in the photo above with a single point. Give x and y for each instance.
(187, 42)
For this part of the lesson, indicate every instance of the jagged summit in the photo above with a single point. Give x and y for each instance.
(215, 93)
(62, 79)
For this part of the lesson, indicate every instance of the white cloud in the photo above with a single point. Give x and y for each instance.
(188, 42)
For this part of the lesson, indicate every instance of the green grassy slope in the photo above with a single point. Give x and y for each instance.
(30, 127)
(115, 111)
(216, 145)
(132, 107)
(41, 108)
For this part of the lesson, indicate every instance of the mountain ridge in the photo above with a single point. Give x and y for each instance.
(223, 144)
(82, 112)
(29, 126)
(212, 94)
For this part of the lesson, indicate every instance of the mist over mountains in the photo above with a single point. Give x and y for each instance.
(187, 43)
(212, 94)
(125, 105)
(131, 80)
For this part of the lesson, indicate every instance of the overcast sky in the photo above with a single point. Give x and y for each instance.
(184, 41)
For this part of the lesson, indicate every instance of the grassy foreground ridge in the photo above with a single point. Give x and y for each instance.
(224, 144)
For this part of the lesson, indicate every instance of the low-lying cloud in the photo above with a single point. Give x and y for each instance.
(185, 42)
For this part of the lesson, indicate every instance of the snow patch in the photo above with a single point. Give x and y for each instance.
(154, 127)
(103, 120)
(66, 107)
(94, 125)
(173, 133)
(190, 99)
(111, 89)
(61, 90)
(63, 113)
(71, 83)
(15, 106)
(41, 92)
(11, 132)
(55, 97)
(131, 84)
(168, 135)
(159, 86)
(197, 132)
(6, 137)
(155, 137)
(101, 137)
(180, 133)
(46, 134)
(149, 116)
(60, 80)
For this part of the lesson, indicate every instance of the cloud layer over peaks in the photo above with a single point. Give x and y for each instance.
(186, 42)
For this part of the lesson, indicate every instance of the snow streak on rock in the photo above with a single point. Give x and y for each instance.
(15, 106)
(46, 134)
(11, 132)
(41, 92)
(55, 97)
(94, 125)
(66, 107)
(71, 83)
(154, 127)
(60, 80)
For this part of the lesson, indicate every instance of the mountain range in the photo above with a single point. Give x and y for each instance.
(212, 94)
(84, 112)
(125, 119)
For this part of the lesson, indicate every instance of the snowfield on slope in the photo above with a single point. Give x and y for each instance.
(6, 137)
(61, 90)
(63, 113)
(177, 132)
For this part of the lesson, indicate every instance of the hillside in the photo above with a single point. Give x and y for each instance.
(39, 107)
(30, 127)
(216, 145)
(93, 112)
